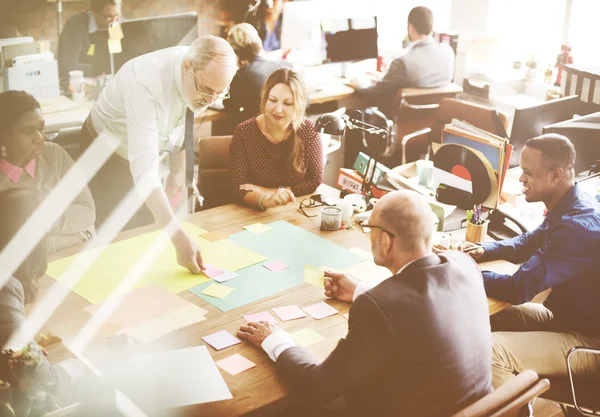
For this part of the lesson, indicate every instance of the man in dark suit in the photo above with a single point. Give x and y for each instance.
(74, 43)
(254, 70)
(418, 343)
(425, 64)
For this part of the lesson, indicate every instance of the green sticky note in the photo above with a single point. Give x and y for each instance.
(314, 276)
(307, 337)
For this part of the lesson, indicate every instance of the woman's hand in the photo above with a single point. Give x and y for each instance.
(281, 197)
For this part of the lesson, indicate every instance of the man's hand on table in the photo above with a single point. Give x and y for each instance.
(473, 249)
(257, 332)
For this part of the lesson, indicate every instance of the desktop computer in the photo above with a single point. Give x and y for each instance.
(529, 122)
(142, 36)
(354, 39)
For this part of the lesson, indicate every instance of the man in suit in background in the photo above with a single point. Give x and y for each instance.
(74, 43)
(254, 69)
(418, 343)
(426, 64)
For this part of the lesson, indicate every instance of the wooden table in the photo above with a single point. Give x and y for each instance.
(259, 387)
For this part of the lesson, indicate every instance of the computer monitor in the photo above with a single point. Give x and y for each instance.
(584, 132)
(529, 122)
(301, 31)
(351, 39)
(142, 36)
(15, 41)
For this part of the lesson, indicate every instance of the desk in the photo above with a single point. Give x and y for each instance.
(258, 387)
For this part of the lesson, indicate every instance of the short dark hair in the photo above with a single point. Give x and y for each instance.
(13, 104)
(18, 204)
(99, 4)
(422, 19)
(557, 150)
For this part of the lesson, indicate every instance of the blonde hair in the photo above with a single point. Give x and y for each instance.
(209, 48)
(245, 41)
(296, 84)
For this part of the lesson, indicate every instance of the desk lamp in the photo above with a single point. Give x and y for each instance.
(336, 124)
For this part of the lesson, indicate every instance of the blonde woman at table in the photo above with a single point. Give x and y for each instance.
(277, 155)
(29, 162)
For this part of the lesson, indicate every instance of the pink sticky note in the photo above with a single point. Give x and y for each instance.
(320, 310)
(211, 271)
(276, 266)
(221, 340)
(235, 364)
(262, 316)
(289, 313)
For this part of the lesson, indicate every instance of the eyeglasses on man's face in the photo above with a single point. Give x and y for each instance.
(213, 96)
(383, 229)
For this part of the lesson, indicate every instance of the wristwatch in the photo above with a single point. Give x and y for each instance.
(85, 235)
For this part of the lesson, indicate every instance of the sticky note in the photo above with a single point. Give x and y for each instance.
(225, 276)
(307, 337)
(114, 46)
(217, 291)
(91, 50)
(347, 316)
(257, 228)
(276, 266)
(262, 316)
(235, 364)
(221, 340)
(211, 271)
(115, 32)
(314, 276)
(214, 236)
(320, 310)
(289, 313)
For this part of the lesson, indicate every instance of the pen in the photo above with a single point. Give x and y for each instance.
(472, 248)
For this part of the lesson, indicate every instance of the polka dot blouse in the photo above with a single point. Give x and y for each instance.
(253, 159)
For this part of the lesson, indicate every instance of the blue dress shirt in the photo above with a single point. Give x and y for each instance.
(272, 41)
(563, 253)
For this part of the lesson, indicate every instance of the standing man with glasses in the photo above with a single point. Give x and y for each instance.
(146, 106)
(419, 335)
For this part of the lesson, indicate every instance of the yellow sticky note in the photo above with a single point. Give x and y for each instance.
(306, 337)
(114, 46)
(314, 276)
(91, 50)
(217, 291)
(257, 228)
(115, 32)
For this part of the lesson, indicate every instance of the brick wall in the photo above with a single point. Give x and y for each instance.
(37, 18)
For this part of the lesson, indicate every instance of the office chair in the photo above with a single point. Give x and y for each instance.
(212, 156)
(513, 399)
(577, 397)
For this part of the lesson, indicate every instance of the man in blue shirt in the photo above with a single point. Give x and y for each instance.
(563, 253)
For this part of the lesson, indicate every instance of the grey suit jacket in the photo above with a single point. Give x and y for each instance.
(418, 344)
(426, 64)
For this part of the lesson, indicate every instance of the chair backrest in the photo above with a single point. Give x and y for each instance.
(416, 109)
(213, 170)
(510, 400)
(478, 115)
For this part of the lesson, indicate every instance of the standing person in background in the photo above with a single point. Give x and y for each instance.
(268, 23)
(254, 70)
(74, 43)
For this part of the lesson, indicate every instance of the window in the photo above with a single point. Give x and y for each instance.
(584, 32)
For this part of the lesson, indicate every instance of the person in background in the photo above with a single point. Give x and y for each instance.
(425, 64)
(268, 23)
(74, 51)
(277, 155)
(418, 343)
(562, 254)
(19, 289)
(145, 106)
(254, 69)
(27, 161)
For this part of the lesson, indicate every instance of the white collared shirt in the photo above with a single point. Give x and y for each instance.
(278, 342)
(144, 106)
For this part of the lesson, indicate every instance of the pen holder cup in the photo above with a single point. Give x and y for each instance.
(331, 218)
(476, 232)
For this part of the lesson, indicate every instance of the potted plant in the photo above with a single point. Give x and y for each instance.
(531, 68)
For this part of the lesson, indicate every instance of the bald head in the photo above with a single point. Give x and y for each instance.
(211, 49)
(408, 215)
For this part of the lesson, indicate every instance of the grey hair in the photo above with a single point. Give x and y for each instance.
(207, 49)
